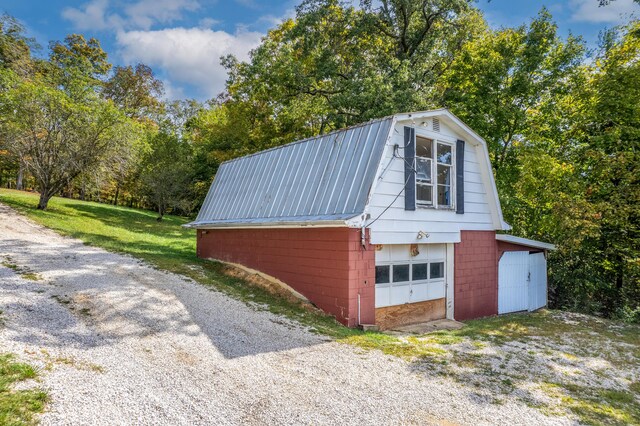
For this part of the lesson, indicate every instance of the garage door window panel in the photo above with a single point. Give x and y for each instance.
(409, 281)
(420, 272)
(382, 274)
(401, 273)
(436, 270)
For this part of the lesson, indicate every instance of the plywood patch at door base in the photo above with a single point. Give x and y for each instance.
(410, 313)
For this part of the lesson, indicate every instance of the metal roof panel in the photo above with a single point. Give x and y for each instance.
(323, 178)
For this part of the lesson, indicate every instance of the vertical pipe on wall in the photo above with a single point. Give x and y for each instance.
(358, 309)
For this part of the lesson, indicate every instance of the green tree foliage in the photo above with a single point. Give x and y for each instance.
(15, 60)
(607, 158)
(56, 136)
(15, 46)
(167, 173)
(77, 65)
(136, 91)
(76, 53)
(502, 78)
(337, 65)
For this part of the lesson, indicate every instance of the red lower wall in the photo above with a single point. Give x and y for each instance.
(475, 275)
(476, 260)
(327, 265)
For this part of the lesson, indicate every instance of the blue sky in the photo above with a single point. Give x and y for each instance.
(182, 40)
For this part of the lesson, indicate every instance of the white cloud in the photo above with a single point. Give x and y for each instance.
(616, 12)
(184, 57)
(208, 22)
(187, 55)
(144, 13)
(92, 16)
(95, 14)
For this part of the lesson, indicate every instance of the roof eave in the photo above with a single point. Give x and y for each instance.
(271, 224)
(524, 242)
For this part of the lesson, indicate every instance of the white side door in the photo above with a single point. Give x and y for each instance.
(513, 274)
(537, 281)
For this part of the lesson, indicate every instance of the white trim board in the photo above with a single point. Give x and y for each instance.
(524, 242)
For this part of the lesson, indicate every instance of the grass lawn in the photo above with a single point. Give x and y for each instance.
(558, 362)
(18, 407)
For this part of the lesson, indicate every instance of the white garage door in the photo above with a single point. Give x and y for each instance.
(402, 278)
(522, 282)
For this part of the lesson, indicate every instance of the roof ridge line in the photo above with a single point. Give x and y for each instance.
(355, 126)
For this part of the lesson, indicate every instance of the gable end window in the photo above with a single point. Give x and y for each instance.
(434, 171)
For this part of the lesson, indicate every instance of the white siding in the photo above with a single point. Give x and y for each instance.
(399, 226)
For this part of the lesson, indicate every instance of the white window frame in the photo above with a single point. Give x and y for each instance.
(434, 178)
(434, 174)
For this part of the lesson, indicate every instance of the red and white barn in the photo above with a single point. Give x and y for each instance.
(390, 222)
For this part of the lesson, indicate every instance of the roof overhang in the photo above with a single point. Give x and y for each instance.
(524, 242)
(326, 224)
(300, 222)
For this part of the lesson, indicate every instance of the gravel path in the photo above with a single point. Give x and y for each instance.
(119, 342)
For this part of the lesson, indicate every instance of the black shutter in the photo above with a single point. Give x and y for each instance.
(409, 174)
(460, 177)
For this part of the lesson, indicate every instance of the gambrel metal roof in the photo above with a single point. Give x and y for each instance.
(321, 179)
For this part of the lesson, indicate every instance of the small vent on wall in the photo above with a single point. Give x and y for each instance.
(436, 125)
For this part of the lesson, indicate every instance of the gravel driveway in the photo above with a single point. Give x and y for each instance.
(119, 342)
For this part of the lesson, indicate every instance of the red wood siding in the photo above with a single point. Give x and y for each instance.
(327, 265)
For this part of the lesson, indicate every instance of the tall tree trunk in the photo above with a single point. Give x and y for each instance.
(44, 200)
(83, 190)
(115, 198)
(19, 183)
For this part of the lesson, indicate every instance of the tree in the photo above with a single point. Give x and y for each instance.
(166, 173)
(15, 62)
(76, 65)
(501, 79)
(15, 46)
(216, 134)
(56, 136)
(77, 53)
(338, 65)
(608, 159)
(136, 91)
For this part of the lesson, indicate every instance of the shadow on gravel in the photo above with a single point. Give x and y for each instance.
(110, 300)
